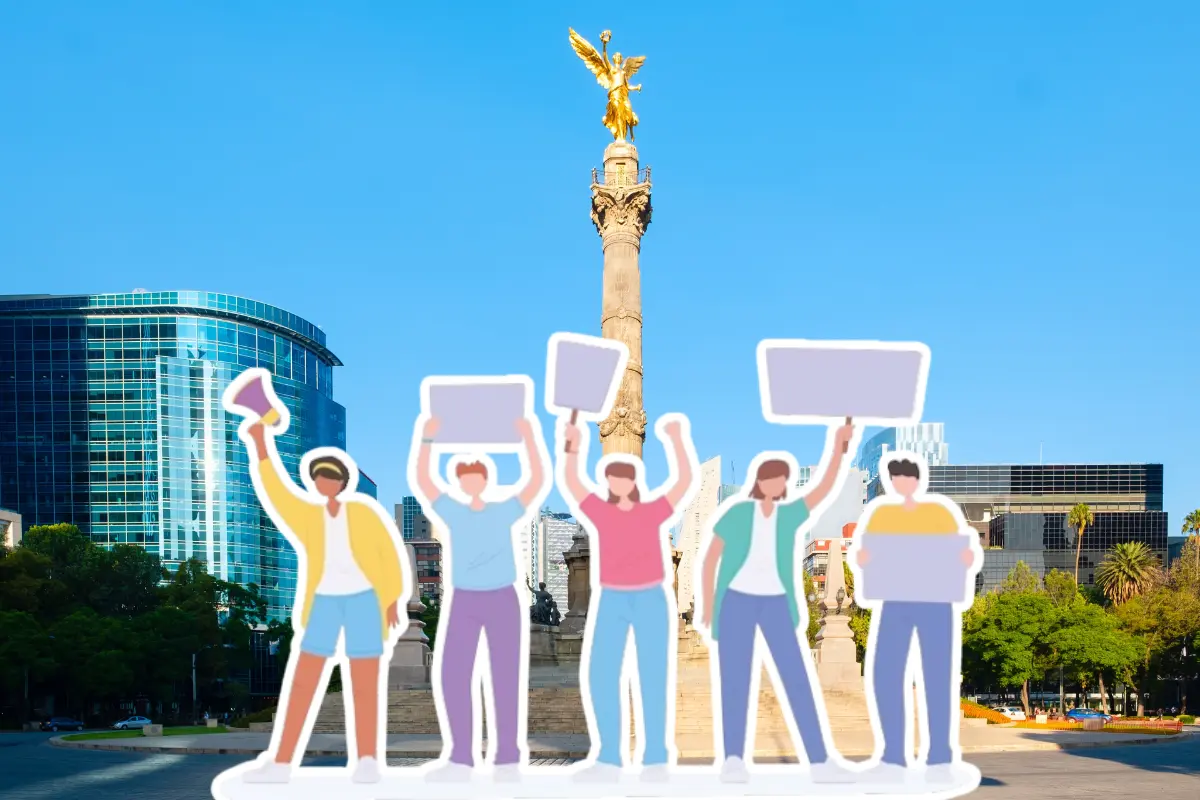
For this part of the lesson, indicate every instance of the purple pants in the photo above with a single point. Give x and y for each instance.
(497, 615)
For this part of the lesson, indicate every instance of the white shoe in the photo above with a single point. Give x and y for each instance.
(829, 772)
(367, 771)
(941, 775)
(450, 772)
(507, 773)
(598, 773)
(269, 771)
(655, 773)
(734, 771)
(884, 774)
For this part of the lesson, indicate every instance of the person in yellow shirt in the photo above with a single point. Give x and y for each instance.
(907, 511)
(355, 578)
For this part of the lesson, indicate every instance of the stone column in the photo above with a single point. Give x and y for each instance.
(837, 656)
(621, 212)
(409, 666)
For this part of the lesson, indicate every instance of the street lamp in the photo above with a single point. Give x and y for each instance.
(841, 598)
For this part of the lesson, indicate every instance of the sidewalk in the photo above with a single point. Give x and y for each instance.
(574, 746)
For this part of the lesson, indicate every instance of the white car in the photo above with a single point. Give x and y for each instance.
(131, 723)
(1012, 712)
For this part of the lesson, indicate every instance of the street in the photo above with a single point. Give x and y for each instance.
(32, 769)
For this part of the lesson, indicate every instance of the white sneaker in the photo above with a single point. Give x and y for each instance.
(884, 774)
(830, 772)
(269, 771)
(450, 772)
(734, 771)
(507, 773)
(367, 771)
(655, 773)
(598, 773)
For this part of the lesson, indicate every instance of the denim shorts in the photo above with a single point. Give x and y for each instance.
(356, 614)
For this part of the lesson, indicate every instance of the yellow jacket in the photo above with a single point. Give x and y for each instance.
(370, 540)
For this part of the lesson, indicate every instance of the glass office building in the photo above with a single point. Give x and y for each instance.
(1045, 542)
(111, 419)
(926, 439)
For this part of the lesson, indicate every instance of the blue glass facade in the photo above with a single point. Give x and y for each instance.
(111, 419)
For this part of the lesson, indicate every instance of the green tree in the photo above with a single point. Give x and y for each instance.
(1091, 643)
(24, 652)
(1080, 518)
(1128, 570)
(1161, 622)
(1008, 637)
(1061, 588)
(1021, 579)
(860, 618)
(430, 616)
(814, 610)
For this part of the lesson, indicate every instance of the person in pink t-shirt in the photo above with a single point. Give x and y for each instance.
(629, 536)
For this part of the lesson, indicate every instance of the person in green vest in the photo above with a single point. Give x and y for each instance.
(748, 584)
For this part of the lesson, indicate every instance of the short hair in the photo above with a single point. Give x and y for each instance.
(773, 468)
(330, 467)
(904, 469)
(471, 468)
(623, 469)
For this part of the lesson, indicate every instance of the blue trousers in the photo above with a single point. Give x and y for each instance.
(645, 612)
(742, 615)
(933, 624)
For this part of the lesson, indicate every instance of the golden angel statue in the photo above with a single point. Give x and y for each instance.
(614, 76)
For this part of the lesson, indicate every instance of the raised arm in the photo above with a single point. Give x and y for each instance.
(833, 466)
(675, 433)
(536, 481)
(576, 487)
(425, 482)
(281, 492)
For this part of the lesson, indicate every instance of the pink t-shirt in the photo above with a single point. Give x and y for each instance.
(631, 542)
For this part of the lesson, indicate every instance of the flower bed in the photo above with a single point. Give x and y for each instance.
(976, 711)
(1158, 727)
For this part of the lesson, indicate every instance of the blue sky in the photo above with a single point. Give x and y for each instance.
(1015, 185)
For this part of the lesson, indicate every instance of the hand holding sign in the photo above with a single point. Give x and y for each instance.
(583, 374)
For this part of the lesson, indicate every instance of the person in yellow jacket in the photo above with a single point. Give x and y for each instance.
(355, 578)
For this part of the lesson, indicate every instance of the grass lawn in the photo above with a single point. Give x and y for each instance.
(187, 730)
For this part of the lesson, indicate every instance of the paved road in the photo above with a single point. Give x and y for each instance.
(31, 769)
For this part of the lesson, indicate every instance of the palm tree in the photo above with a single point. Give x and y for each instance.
(1191, 524)
(1080, 518)
(1129, 570)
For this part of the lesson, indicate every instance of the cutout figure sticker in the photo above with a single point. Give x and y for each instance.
(484, 619)
(351, 584)
(914, 561)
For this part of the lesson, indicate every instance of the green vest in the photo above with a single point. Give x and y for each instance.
(736, 528)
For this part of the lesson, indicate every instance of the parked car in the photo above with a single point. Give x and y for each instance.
(130, 723)
(62, 724)
(1012, 712)
(1080, 714)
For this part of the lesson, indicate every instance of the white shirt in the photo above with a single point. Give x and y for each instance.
(760, 574)
(342, 574)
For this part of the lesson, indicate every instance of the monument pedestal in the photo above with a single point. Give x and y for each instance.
(410, 663)
(579, 586)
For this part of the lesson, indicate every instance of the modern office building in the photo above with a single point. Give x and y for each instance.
(411, 520)
(429, 567)
(10, 528)
(1044, 541)
(926, 439)
(1175, 548)
(111, 418)
(552, 536)
(728, 490)
(367, 486)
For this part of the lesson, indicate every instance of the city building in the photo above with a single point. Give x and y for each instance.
(690, 530)
(10, 528)
(411, 520)
(367, 486)
(728, 490)
(926, 439)
(1175, 548)
(1044, 541)
(816, 555)
(552, 536)
(111, 419)
(429, 567)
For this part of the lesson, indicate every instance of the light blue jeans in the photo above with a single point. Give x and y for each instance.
(933, 624)
(645, 612)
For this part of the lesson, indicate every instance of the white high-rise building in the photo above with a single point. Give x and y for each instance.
(691, 529)
(552, 535)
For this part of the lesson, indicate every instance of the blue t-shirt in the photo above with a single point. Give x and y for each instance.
(480, 542)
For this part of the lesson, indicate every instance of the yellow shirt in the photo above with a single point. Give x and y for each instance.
(928, 518)
(371, 542)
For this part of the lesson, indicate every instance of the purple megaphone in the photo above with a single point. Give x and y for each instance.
(252, 392)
